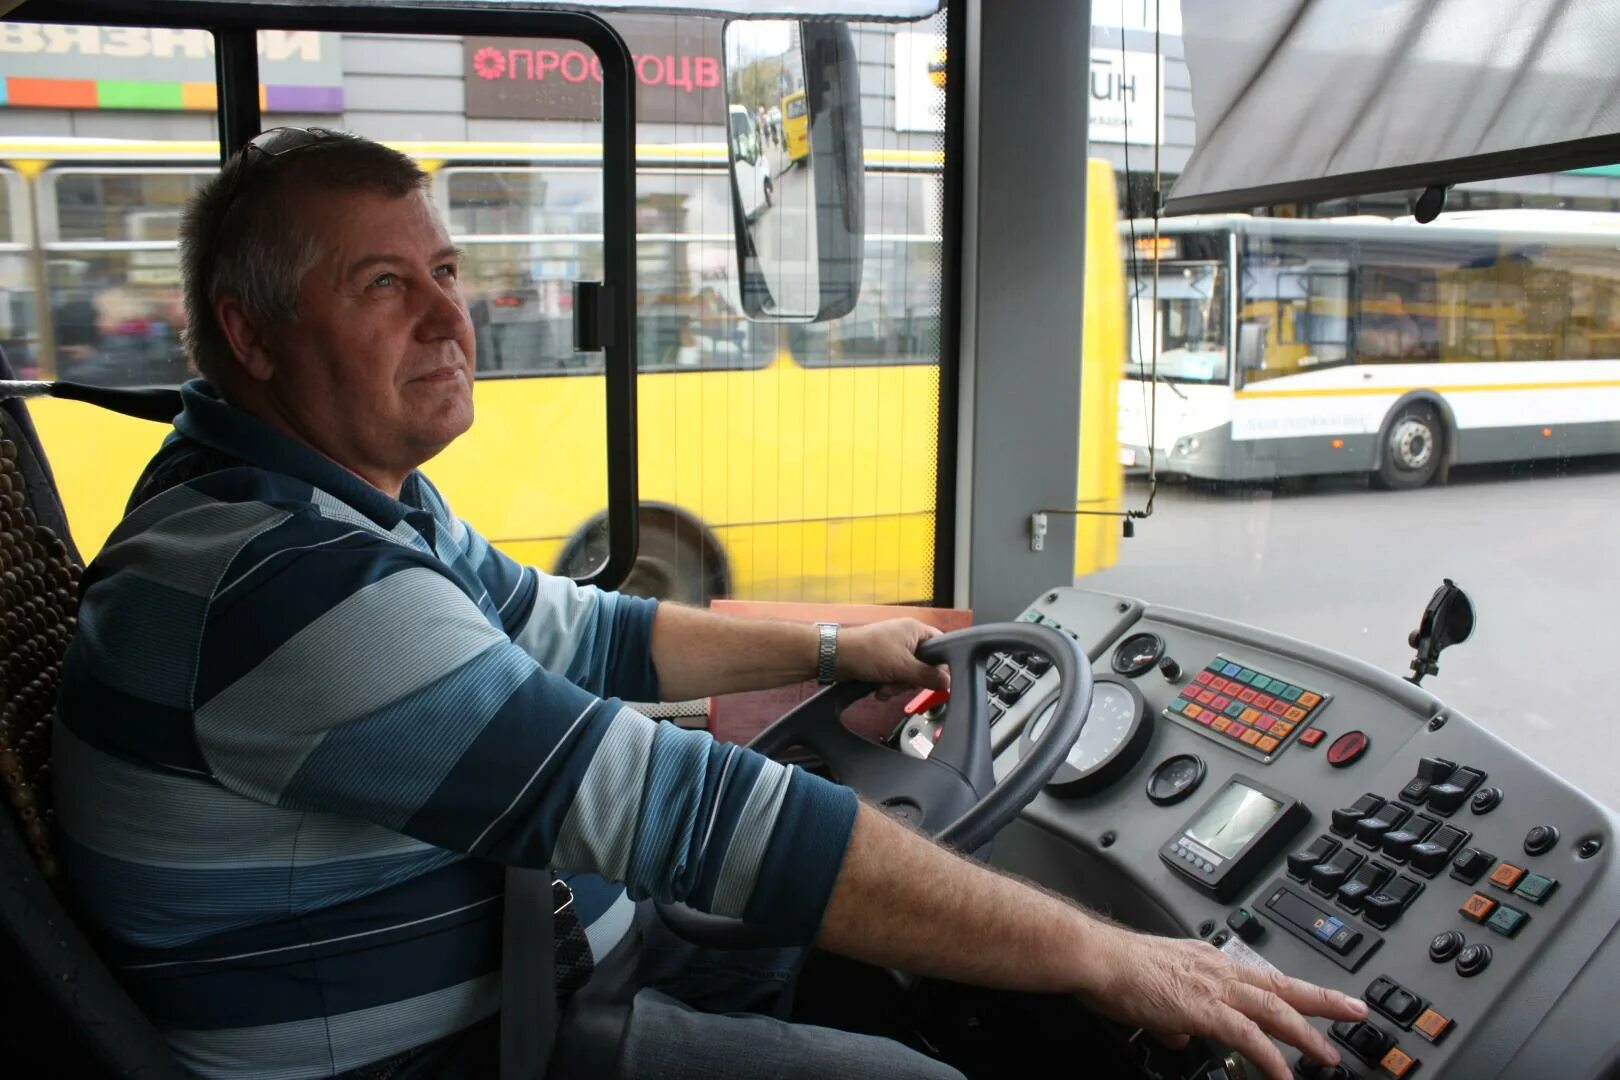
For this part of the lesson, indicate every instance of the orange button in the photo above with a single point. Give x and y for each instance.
(1506, 876)
(1281, 728)
(1432, 1026)
(1309, 699)
(1222, 724)
(1250, 737)
(1398, 1062)
(1266, 744)
(1250, 716)
(1478, 907)
(1295, 713)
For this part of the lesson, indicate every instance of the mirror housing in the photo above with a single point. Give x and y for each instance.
(794, 144)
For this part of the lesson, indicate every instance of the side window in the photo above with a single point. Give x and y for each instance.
(1398, 318)
(113, 274)
(528, 234)
(19, 334)
(897, 318)
(689, 313)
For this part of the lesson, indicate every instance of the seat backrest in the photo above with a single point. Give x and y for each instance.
(71, 1016)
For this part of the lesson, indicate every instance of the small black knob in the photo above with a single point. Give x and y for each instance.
(1540, 839)
(1485, 800)
(1170, 669)
(1245, 925)
(1445, 945)
(1473, 960)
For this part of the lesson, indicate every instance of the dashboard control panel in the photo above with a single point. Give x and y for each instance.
(1350, 828)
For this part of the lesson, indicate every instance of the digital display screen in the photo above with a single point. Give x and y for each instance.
(1236, 816)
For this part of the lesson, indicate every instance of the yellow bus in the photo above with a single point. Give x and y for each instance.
(759, 444)
(796, 126)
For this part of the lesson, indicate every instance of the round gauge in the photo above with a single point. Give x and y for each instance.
(1138, 653)
(1112, 740)
(1173, 779)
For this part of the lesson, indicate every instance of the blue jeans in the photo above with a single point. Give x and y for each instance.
(721, 1014)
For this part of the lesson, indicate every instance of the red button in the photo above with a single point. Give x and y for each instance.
(1207, 697)
(1277, 706)
(1235, 730)
(1203, 677)
(1346, 749)
(1311, 736)
(1265, 701)
(1218, 684)
(925, 700)
(1221, 703)
(1247, 696)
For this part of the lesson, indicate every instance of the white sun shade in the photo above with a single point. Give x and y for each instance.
(1299, 100)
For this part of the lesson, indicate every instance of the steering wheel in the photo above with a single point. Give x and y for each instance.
(952, 794)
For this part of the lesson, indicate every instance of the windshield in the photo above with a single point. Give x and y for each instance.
(1191, 323)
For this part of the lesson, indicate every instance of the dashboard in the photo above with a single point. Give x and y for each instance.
(1301, 809)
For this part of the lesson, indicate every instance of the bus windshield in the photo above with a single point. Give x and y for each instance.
(1191, 324)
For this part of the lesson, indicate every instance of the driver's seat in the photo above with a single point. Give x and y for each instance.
(70, 1017)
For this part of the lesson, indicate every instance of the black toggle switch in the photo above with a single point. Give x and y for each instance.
(1398, 843)
(1326, 877)
(1344, 821)
(1384, 906)
(1367, 1040)
(1470, 863)
(1448, 797)
(1432, 855)
(1370, 830)
(1364, 882)
(1403, 1006)
(1431, 771)
(1301, 861)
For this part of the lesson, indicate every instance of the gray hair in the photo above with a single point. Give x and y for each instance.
(241, 235)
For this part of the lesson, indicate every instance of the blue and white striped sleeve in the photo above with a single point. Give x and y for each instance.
(599, 640)
(356, 677)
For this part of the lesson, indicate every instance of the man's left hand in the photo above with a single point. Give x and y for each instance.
(886, 653)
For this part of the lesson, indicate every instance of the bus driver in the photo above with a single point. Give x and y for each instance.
(310, 714)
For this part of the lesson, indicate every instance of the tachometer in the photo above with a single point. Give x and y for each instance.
(1138, 653)
(1115, 736)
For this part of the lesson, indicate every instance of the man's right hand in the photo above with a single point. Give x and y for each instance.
(1180, 987)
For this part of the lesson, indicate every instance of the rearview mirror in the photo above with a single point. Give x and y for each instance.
(794, 142)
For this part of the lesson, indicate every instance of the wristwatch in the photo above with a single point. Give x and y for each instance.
(827, 653)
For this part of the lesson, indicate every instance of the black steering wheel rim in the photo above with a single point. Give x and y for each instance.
(952, 794)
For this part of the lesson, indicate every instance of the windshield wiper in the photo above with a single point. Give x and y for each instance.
(1166, 381)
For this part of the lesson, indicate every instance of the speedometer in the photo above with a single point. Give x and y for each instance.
(1115, 736)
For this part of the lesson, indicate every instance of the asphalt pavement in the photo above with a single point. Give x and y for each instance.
(1340, 564)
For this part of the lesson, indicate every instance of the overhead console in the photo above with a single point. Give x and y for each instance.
(1303, 810)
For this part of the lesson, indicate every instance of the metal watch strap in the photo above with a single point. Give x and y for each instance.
(827, 653)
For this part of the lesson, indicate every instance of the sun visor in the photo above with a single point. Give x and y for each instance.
(854, 10)
(1304, 100)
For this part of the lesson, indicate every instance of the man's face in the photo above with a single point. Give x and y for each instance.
(377, 370)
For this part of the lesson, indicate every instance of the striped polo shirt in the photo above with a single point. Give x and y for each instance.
(303, 727)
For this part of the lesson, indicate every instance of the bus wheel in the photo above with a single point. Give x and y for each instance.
(675, 559)
(1413, 448)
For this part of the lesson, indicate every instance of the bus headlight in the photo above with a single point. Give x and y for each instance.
(1185, 446)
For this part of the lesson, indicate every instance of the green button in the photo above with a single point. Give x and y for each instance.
(1292, 693)
(1506, 921)
(1536, 888)
(1246, 676)
(1235, 709)
(1260, 682)
(1217, 665)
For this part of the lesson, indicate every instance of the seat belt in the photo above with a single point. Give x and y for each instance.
(528, 980)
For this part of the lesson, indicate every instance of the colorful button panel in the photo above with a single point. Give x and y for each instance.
(1248, 710)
